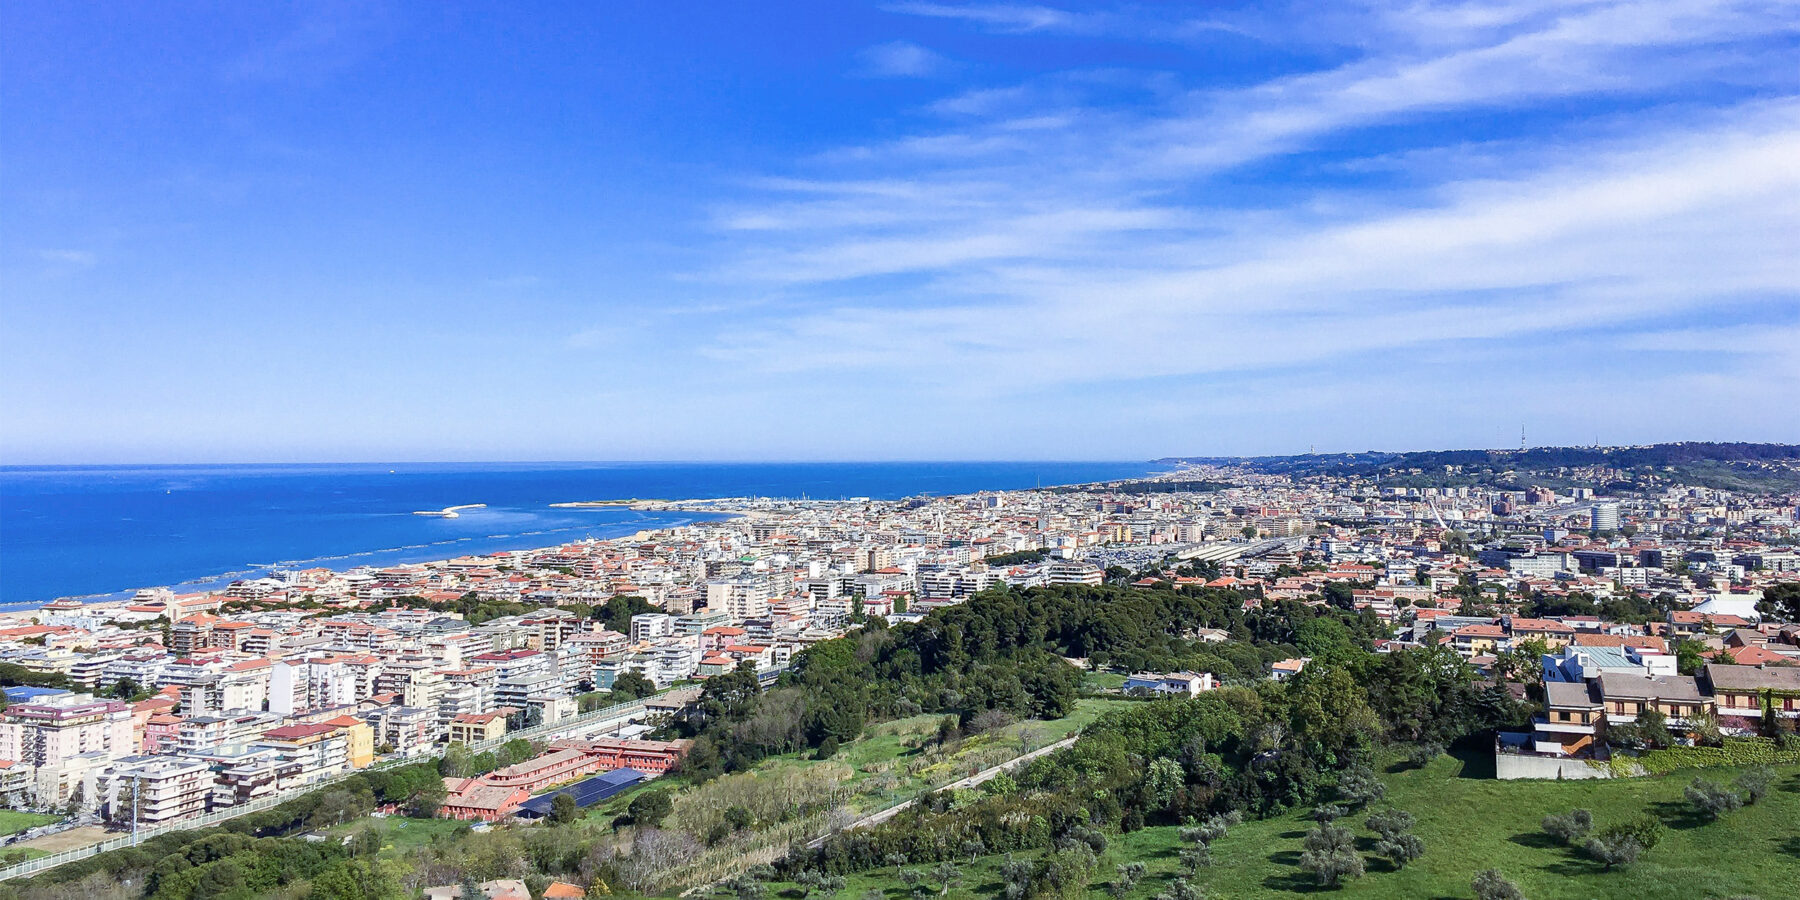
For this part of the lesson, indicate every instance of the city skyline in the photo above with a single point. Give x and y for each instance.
(894, 231)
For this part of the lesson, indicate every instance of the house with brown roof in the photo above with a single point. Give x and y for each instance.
(1553, 633)
(1741, 691)
(473, 799)
(1627, 696)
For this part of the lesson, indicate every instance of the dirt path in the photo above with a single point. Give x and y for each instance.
(66, 840)
(978, 778)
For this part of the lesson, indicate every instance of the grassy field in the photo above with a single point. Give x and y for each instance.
(399, 834)
(892, 761)
(14, 822)
(1470, 822)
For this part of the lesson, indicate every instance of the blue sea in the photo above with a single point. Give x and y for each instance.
(98, 531)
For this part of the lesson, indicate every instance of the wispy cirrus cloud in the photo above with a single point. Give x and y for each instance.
(1002, 16)
(1041, 233)
(902, 59)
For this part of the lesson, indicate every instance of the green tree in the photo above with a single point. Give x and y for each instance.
(1610, 849)
(425, 800)
(1570, 828)
(1329, 853)
(1125, 878)
(366, 842)
(1390, 822)
(366, 879)
(650, 807)
(1358, 787)
(1755, 782)
(472, 888)
(224, 878)
(1400, 849)
(632, 685)
(564, 810)
(1491, 885)
(1710, 799)
(947, 875)
(1182, 889)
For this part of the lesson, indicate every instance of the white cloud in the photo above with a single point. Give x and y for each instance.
(1106, 245)
(82, 258)
(999, 16)
(902, 59)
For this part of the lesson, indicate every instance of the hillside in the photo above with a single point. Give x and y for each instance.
(1730, 466)
(1469, 822)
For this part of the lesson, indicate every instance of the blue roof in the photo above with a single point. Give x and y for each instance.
(24, 694)
(586, 793)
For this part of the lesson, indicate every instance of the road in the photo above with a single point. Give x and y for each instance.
(979, 778)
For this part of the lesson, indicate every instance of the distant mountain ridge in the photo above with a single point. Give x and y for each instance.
(1705, 463)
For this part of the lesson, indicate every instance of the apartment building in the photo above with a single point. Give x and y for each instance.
(474, 728)
(201, 734)
(57, 727)
(1072, 572)
(651, 626)
(242, 773)
(155, 789)
(741, 598)
(407, 730)
(308, 753)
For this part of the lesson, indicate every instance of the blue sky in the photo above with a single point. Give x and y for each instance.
(621, 230)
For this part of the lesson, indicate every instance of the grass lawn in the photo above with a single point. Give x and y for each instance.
(14, 822)
(400, 834)
(887, 749)
(1473, 823)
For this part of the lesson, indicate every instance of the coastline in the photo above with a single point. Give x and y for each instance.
(214, 582)
(96, 534)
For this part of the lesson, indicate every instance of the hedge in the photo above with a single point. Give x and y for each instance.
(1736, 752)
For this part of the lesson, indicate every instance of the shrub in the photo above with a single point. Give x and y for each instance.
(1734, 752)
(1570, 827)
(1755, 782)
(1126, 878)
(1491, 885)
(1612, 848)
(1358, 787)
(1182, 889)
(1390, 822)
(1710, 799)
(1646, 829)
(1401, 849)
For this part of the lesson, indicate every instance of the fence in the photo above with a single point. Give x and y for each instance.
(45, 863)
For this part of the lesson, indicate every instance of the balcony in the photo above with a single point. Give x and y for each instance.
(1545, 725)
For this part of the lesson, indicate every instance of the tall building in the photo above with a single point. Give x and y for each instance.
(1605, 516)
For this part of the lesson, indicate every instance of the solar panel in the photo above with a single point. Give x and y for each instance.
(586, 793)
